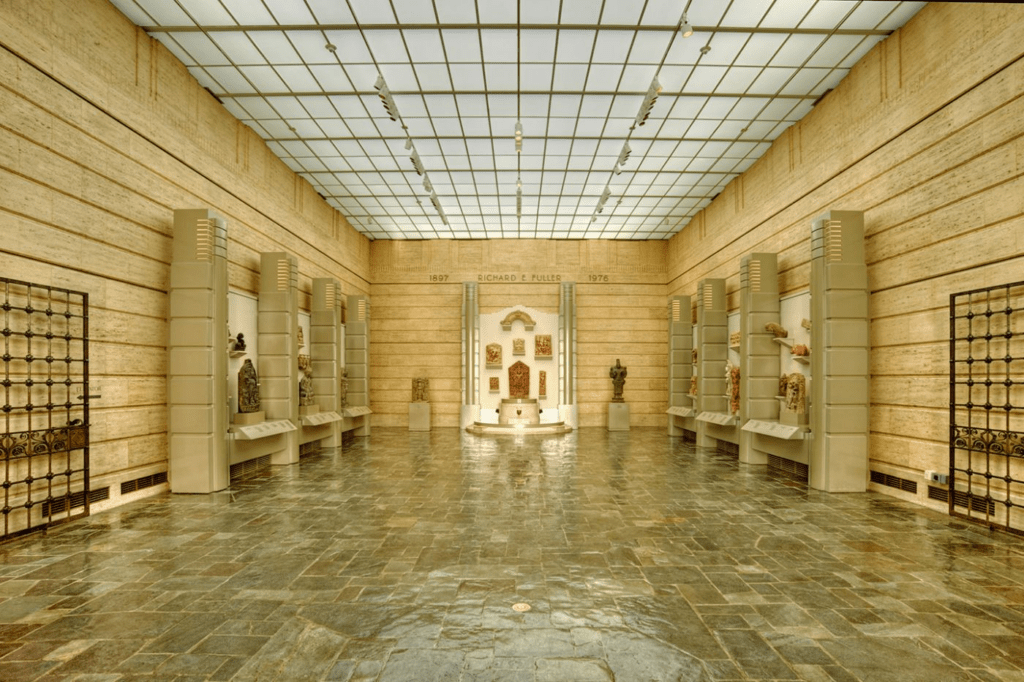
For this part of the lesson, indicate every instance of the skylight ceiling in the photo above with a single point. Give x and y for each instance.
(309, 75)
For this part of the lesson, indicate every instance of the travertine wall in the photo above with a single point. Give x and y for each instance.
(103, 133)
(417, 299)
(926, 136)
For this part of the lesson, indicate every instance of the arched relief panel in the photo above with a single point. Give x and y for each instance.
(518, 316)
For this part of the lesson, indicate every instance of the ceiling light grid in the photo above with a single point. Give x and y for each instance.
(576, 70)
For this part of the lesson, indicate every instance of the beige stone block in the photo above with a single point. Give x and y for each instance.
(327, 336)
(356, 386)
(763, 386)
(717, 353)
(190, 391)
(847, 470)
(846, 276)
(840, 332)
(355, 342)
(190, 419)
(762, 408)
(277, 388)
(716, 335)
(192, 303)
(762, 344)
(846, 362)
(842, 303)
(192, 331)
(273, 321)
(851, 390)
(191, 276)
(276, 366)
(275, 344)
(355, 357)
(191, 362)
(276, 300)
(846, 419)
(323, 318)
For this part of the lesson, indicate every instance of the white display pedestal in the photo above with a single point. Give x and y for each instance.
(419, 416)
(618, 416)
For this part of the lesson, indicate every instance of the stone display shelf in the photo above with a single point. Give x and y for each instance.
(719, 418)
(264, 430)
(774, 429)
(321, 418)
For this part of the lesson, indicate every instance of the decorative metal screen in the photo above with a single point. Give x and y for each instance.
(986, 406)
(44, 377)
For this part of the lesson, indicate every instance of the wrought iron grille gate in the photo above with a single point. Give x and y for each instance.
(986, 406)
(44, 377)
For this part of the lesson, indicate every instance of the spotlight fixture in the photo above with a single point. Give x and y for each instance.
(519, 137)
(408, 143)
(417, 164)
(605, 195)
(331, 48)
(705, 49)
(386, 99)
(623, 157)
(648, 104)
(684, 26)
(519, 197)
(426, 184)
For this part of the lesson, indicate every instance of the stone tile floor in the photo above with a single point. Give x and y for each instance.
(400, 558)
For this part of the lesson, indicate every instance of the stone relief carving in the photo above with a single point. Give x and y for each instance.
(800, 350)
(493, 355)
(302, 339)
(618, 376)
(519, 380)
(542, 384)
(343, 388)
(248, 388)
(495, 386)
(519, 315)
(420, 388)
(518, 346)
(542, 346)
(777, 330)
(305, 381)
(732, 377)
(796, 393)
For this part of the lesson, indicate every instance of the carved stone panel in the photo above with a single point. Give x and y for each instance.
(495, 388)
(542, 384)
(518, 346)
(493, 355)
(248, 388)
(519, 380)
(517, 315)
(542, 346)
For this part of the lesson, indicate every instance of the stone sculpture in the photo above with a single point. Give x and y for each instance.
(302, 340)
(542, 346)
(777, 330)
(493, 355)
(542, 384)
(734, 339)
(495, 387)
(618, 375)
(783, 382)
(800, 350)
(343, 388)
(519, 380)
(248, 388)
(693, 384)
(732, 377)
(693, 356)
(239, 342)
(796, 393)
(305, 381)
(806, 324)
(518, 346)
(420, 386)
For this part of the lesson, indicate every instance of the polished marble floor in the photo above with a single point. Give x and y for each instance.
(401, 557)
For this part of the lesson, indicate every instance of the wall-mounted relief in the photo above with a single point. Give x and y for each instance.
(420, 389)
(495, 385)
(301, 338)
(521, 316)
(248, 388)
(542, 346)
(519, 380)
(542, 385)
(493, 355)
(306, 397)
(518, 346)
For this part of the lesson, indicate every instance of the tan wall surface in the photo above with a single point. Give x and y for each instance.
(103, 133)
(926, 136)
(416, 319)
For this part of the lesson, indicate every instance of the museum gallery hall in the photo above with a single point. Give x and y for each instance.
(523, 341)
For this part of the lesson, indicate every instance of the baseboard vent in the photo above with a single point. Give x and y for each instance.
(977, 503)
(788, 467)
(890, 481)
(689, 436)
(76, 499)
(310, 448)
(728, 448)
(143, 482)
(250, 468)
(940, 494)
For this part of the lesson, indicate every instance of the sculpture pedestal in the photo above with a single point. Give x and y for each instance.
(419, 416)
(618, 416)
(247, 418)
(519, 411)
(306, 410)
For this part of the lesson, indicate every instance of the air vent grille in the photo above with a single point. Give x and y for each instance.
(894, 482)
(361, 314)
(728, 448)
(787, 466)
(310, 448)
(709, 298)
(676, 311)
(76, 499)
(940, 494)
(754, 275)
(143, 482)
(204, 239)
(976, 503)
(833, 241)
(250, 468)
(284, 274)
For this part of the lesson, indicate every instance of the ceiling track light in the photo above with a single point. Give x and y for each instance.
(519, 197)
(417, 164)
(408, 143)
(519, 137)
(387, 100)
(623, 157)
(426, 184)
(648, 104)
(684, 26)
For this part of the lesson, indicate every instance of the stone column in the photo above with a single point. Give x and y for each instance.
(839, 354)
(324, 349)
(567, 408)
(470, 410)
(680, 365)
(197, 423)
(277, 326)
(759, 355)
(712, 352)
(357, 357)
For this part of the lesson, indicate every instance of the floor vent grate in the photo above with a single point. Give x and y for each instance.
(977, 502)
(77, 499)
(143, 482)
(894, 482)
(250, 468)
(788, 467)
(728, 448)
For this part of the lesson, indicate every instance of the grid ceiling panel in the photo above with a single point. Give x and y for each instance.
(575, 74)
